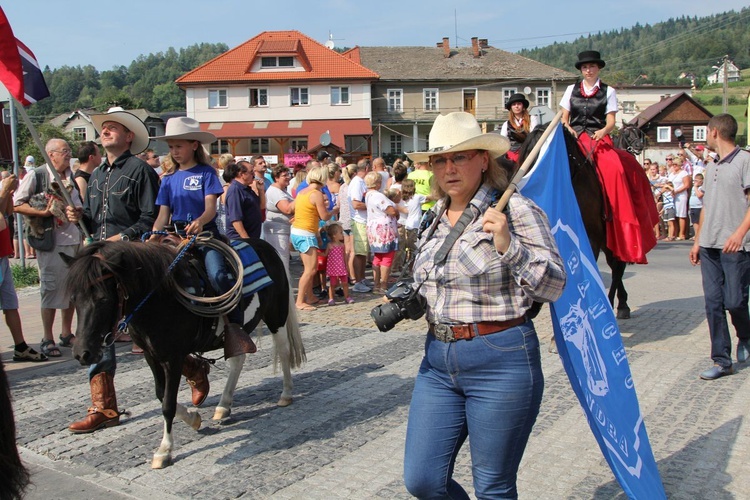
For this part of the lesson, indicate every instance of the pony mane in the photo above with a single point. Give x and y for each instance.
(135, 265)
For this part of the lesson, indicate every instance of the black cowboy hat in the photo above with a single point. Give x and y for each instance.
(590, 56)
(517, 98)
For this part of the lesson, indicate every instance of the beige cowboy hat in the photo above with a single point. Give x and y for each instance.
(189, 129)
(128, 120)
(460, 132)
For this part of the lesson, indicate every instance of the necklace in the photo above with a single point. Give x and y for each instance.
(589, 94)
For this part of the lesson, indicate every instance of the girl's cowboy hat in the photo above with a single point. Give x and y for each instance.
(186, 128)
(590, 56)
(128, 120)
(517, 98)
(460, 132)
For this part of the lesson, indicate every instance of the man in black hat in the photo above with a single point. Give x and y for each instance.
(324, 157)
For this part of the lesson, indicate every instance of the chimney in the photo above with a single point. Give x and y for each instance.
(475, 46)
(483, 44)
(446, 47)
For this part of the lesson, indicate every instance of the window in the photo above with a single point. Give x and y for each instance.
(219, 147)
(628, 107)
(339, 95)
(299, 96)
(299, 145)
(259, 146)
(396, 144)
(543, 96)
(258, 98)
(153, 132)
(217, 99)
(507, 92)
(395, 102)
(273, 62)
(430, 98)
(663, 134)
(699, 133)
(79, 133)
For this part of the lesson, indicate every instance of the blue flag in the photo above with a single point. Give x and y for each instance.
(586, 332)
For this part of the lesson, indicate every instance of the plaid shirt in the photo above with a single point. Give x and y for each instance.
(478, 284)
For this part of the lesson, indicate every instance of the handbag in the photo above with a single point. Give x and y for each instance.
(45, 243)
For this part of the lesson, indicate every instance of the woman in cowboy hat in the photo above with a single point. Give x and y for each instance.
(187, 202)
(519, 124)
(589, 109)
(488, 388)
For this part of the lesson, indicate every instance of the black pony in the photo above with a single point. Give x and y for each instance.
(631, 139)
(590, 198)
(108, 280)
(13, 474)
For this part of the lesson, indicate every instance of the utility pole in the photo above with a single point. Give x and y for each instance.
(724, 100)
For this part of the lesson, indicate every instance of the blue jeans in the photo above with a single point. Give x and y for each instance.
(108, 363)
(221, 279)
(726, 277)
(489, 388)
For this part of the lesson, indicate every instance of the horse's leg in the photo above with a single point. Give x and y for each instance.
(172, 374)
(224, 409)
(617, 288)
(282, 350)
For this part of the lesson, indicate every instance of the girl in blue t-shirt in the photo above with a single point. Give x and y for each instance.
(187, 198)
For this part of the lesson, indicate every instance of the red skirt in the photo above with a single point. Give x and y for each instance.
(627, 191)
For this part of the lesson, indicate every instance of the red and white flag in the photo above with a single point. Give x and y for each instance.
(19, 69)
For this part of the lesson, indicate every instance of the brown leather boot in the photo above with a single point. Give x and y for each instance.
(104, 412)
(196, 372)
(237, 341)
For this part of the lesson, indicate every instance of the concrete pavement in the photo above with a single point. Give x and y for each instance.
(343, 436)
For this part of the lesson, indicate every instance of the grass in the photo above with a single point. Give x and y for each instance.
(24, 276)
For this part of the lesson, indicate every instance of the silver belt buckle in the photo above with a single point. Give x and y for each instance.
(443, 333)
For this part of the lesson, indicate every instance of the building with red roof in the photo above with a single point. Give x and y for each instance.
(282, 93)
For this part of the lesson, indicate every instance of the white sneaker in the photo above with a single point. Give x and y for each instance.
(361, 287)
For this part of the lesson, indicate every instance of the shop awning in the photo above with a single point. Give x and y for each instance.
(312, 129)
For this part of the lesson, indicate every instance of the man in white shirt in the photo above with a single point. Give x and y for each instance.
(356, 192)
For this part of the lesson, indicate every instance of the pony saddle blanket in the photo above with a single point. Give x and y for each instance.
(255, 277)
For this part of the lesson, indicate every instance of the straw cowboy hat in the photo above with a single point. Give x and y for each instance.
(128, 120)
(517, 98)
(590, 56)
(186, 128)
(460, 132)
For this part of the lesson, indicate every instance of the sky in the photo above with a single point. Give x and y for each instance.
(107, 34)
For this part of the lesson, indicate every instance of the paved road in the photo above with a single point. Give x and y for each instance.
(343, 436)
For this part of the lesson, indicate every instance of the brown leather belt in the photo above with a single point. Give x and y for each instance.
(451, 333)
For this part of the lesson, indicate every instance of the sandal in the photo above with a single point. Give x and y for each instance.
(29, 355)
(49, 348)
(67, 340)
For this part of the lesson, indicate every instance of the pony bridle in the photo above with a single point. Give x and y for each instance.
(122, 296)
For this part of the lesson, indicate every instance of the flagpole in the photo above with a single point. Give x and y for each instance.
(55, 174)
(530, 159)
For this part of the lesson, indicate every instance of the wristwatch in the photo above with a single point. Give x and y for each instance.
(124, 237)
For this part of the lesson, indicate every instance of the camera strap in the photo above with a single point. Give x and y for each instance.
(466, 217)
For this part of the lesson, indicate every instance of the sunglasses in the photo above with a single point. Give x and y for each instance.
(458, 159)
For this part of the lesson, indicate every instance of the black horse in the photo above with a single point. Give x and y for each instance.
(631, 139)
(590, 198)
(108, 280)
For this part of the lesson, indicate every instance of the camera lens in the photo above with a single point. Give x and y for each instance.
(386, 316)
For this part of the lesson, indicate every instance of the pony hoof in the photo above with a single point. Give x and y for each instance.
(195, 420)
(284, 402)
(623, 314)
(161, 461)
(221, 413)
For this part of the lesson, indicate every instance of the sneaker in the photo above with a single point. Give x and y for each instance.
(349, 300)
(369, 282)
(322, 294)
(743, 350)
(361, 287)
(717, 371)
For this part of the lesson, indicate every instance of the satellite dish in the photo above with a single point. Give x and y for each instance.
(325, 139)
(330, 44)
(527, 90)
(543, 113)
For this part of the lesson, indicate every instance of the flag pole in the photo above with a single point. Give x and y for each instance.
(55, 174)
(530, 159)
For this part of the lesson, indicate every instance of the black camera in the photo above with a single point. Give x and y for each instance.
(405, 302)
